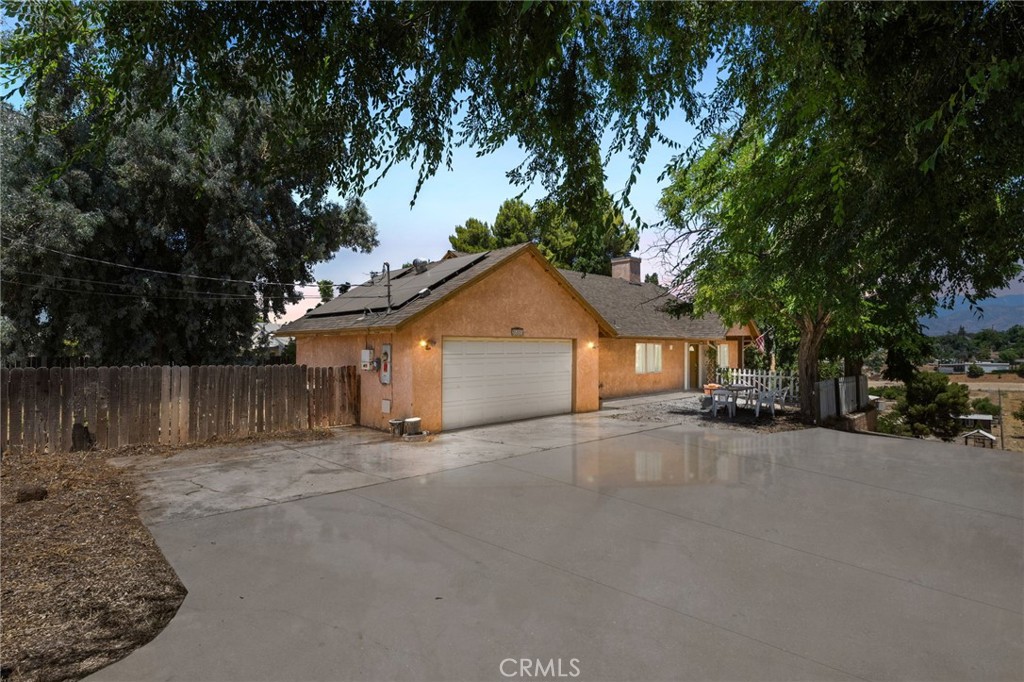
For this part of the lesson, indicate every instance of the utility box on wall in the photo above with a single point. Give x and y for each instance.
(366, 359)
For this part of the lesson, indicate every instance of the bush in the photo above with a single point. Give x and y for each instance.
(897, 392)
(975, 371)
(892, 422)
(1018, 414)
(933, 404)
(830, 369)
(985, 406)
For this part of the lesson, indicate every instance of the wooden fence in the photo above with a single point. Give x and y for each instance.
(836, 397)
(60, 409)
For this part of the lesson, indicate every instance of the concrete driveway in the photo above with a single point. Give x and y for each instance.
(592, 545)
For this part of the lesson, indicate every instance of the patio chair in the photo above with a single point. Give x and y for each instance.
(768, 399)
(722, 398)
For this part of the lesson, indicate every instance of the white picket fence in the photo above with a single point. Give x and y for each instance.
(761, 379)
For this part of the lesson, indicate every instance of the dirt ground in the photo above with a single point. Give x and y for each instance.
(83, 582)
(688, 410)
(1010, 387)
(1009, 431)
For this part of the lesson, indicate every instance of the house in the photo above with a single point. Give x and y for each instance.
(265, 338)
(489, 337)
(982, 421)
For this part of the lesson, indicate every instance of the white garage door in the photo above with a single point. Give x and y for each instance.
(496, 381)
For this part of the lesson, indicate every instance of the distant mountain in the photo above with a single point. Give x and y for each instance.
(998, 313)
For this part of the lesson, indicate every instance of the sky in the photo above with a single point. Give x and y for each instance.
(476, 188)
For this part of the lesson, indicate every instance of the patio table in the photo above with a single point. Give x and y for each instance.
(737, 389)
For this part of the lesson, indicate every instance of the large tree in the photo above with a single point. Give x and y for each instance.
(558, 236)
(856, 188)
(380, 83)
(163, 249)
(905, 117)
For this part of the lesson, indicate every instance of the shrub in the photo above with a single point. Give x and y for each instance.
(985, 406)
(892, 422)
(896, 392)
(933, 404)
(1018, 414)
(975, 371)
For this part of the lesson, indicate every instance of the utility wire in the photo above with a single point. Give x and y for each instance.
(201, 295)
(182, 274)
(213, 297)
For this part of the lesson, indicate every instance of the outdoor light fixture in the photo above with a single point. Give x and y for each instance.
(426, 344)
(591, 345)
(692, 348)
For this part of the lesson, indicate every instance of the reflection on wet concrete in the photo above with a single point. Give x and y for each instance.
(645, 462)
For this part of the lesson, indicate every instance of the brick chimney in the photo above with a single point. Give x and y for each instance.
(627, 268)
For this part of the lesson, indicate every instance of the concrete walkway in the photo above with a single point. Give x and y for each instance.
(619, 549)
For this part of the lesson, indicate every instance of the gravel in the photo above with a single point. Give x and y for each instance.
(691, 411)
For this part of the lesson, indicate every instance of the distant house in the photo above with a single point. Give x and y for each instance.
(961, 367)
(264, 338)
(501, 335)
(976, 421)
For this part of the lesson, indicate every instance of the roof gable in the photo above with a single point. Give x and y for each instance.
(366, 307)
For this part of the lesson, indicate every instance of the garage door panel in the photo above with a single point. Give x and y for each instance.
(493, 381)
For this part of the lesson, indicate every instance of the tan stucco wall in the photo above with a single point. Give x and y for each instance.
(332, 350)
(618, 368)
(517, 294)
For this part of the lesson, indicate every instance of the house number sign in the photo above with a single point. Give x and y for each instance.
(517, 331)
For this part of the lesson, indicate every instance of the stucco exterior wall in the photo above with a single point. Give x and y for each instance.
(332, 350)
(618, 375)
(517, 294)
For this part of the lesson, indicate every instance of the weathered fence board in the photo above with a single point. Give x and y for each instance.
(4, 405)
(67, 406)
(847, 394)
(862, 392)
(103, 407)
(53, 432)
(121, 406)
(114, 405)
(15, 401)
(827, 405)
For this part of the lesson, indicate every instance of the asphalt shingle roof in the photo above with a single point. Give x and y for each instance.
(634, 310)
(328, 317)
(631, 310)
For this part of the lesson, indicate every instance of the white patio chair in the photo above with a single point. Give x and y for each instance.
(723, 398)
(765, 399)
(768, 399)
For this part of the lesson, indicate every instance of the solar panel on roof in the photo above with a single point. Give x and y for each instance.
(374, 297)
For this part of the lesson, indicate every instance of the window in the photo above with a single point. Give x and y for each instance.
(723, 355)
(648, 358)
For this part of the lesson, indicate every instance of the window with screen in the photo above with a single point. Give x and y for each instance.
(648, 358)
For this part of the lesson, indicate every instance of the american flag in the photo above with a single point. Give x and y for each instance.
(759, 342)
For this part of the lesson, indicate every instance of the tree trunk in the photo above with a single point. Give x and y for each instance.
(853, 366)
(812, 331)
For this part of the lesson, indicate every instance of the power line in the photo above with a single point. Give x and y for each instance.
(213, 297)
(119, 284)
(191, 295)
(182, 274)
